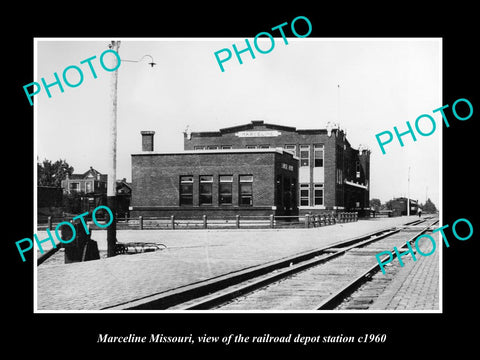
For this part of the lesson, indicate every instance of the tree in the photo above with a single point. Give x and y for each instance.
(388, 205)
(49, 174)
(375, 204)
(429, 207)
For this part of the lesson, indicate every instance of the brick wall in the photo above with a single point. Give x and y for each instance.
(227, 137)
(329, 164)
(338, 154)
(147, 140)
(156, 181)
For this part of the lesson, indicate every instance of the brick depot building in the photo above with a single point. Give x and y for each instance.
(252, 169)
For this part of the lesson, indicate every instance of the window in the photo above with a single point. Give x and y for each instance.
(186, 190)
(251, 147)
(264, 146)
(246, 190)
(318, 194)
(206, 182)
(357, 169)
(74, 186)
(304, 194)
(88, 187)
(304, 155)
(292, 149)
(199, 148)
(225, 189)
(226, 146)
(318, 155)
(212, 147)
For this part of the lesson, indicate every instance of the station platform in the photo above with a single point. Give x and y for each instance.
(191, 256)
(416, 285)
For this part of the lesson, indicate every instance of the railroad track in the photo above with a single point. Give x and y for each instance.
(315, 280)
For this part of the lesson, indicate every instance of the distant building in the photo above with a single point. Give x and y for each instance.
(124, 195)
(290, 171)
(399, 206)
(90, 182)
(91, 188)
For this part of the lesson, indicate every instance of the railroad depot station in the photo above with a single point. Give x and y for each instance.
(251, 169)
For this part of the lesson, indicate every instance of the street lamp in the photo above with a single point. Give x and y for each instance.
(152, 64)
(112, 163)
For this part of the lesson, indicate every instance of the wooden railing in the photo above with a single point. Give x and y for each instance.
(232, 222)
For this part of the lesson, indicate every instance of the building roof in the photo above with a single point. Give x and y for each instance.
(252, 125)
(76, 176)
(123, 183)
(90, 173)
(403, 198)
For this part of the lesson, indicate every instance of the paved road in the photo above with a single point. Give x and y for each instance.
(191, 256)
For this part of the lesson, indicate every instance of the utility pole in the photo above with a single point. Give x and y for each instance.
(408, 193)
(338, 104)
(112, 155)
(112, 160)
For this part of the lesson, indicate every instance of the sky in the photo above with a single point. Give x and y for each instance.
(383, 83)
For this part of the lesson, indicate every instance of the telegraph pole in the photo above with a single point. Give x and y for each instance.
(112, 158)
(338, 103)
(408, 193)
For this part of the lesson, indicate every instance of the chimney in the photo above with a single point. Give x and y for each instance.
(147, 140)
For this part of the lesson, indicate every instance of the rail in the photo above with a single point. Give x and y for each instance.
(336, 298)
(206, 294)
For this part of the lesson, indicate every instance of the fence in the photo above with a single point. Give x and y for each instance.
(233, 222)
